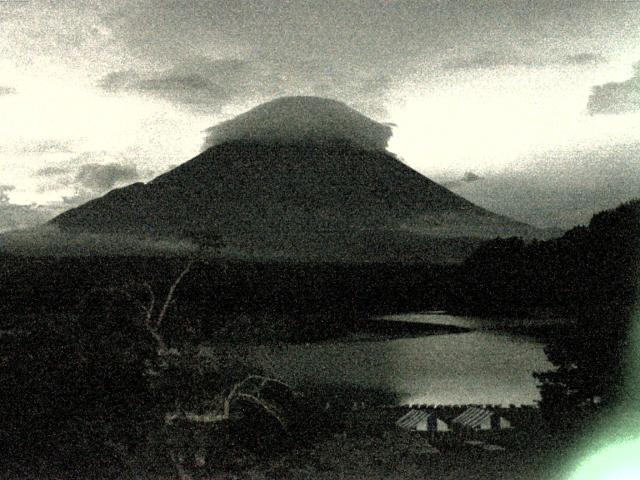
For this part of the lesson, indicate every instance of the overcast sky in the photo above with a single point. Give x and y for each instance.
(99, 94)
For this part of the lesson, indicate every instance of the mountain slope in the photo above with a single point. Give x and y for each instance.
(311, 201)
(301, 178)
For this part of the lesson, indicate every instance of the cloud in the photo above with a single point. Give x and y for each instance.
(583, 58)
(86, 178)
(198, 81)
(180, 87)
(13, 217)
(486, 59)
(493, 59)
(388, 33)
(301, 118)
(58, 177)
(7, 90)
(52, 171)
(4, 198)
(616, 97)
(468, 177)
(47, 146)
(211, 85)
(563, 188)
(50, 240)
(99, 178)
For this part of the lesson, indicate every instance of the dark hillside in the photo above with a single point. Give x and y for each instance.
(216, 296)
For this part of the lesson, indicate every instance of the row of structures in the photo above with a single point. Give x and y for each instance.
(473, 418)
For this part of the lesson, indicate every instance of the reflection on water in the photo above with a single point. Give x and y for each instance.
(479, 323)
(484, 366)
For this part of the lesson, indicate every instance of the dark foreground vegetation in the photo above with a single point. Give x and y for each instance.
(225, 300)
(589, 267)
(96, 352)
(590, 275)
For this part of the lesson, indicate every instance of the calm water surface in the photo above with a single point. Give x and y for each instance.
(487, 365)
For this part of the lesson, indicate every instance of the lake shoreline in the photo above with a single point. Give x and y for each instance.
(370, 330)
(437, 359)
(388, 327)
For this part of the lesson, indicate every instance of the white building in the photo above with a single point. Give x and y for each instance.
(422, 421)
(475, 418)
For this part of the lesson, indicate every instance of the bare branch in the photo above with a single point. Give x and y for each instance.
(162, 346)
(152, 302)
(131, 298)
(172, 290)
(233, 393)
(267, 406)
(147, 310)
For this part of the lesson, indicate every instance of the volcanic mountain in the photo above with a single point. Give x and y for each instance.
(300, 178)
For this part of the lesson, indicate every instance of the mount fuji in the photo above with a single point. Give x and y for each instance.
(298, 178)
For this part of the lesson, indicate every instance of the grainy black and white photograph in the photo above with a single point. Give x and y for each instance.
(337, 239)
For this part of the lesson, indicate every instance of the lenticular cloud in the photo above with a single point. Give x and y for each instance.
(301, 119)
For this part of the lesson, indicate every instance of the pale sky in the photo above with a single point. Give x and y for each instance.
(94, 95)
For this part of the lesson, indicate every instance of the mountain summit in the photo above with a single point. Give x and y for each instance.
(302, 119)
(298, 178)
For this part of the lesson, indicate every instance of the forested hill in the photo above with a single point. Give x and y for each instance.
(589, 268)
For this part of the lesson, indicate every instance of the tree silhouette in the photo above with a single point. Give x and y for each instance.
(153, 311)
(590, 356)
(589, 275)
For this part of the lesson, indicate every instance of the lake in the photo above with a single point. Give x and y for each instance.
(486, 365)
